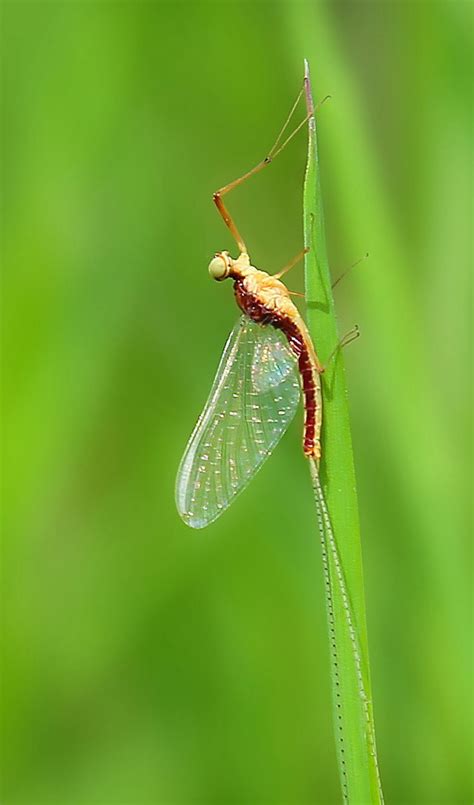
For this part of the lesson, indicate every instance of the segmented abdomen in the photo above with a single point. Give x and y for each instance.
(310, 380)
(311, 386)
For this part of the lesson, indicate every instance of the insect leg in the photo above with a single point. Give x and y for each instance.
(346, 339)
(292, 263)
(344, 273)
(275, 149)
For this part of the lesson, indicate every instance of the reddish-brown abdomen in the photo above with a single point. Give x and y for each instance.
(256, 310)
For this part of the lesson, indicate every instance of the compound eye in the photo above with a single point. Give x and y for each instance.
(218, 268)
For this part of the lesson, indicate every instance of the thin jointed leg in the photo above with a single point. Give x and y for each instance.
(276, 148)
(346, 339)
(344, 273)
(292, 263)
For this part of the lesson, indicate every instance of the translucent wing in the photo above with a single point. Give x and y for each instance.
(272, 362)
(252, 402)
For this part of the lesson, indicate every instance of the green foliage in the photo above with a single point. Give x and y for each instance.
(142, 663)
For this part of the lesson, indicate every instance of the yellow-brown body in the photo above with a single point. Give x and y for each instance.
(266, 300)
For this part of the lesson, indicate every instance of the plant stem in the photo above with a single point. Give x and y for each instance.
(340, 540)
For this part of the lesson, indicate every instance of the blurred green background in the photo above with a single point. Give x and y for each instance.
(143, 662)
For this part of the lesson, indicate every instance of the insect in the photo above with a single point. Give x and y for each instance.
(268, 360)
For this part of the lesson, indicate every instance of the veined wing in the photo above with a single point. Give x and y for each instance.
(252, 402)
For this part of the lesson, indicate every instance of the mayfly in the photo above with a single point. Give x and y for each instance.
(269, 358)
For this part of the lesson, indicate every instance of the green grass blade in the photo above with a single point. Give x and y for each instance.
(338, 518)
